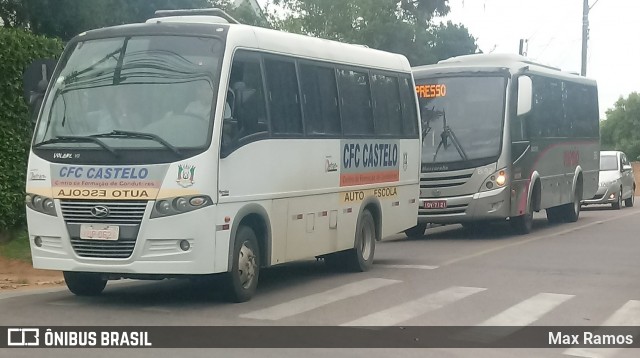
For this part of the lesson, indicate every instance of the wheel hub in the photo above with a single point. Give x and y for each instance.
(246, 265)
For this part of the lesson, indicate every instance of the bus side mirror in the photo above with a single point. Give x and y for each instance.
(525, 95)
(35, 81)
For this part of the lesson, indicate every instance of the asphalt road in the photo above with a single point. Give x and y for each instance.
(580, 274)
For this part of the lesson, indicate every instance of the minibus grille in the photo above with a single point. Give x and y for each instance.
(120, 212)
(120, 249)
(444, 181)
(127, 215)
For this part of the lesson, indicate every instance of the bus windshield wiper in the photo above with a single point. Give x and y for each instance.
(447, 133)
(130, 134)
(77, 139)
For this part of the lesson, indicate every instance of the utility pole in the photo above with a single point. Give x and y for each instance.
(522, 50)
(585, 35)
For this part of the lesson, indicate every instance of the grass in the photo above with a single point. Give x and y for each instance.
(17, 248)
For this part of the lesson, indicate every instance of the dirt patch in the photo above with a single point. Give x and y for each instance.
(17, 275)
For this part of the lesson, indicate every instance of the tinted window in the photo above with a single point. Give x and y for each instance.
(320, 99)
(283, 98)
(582, 110)
(355, 99)
(547, 113)
(409, 115)
(386, 105)
(246, 99)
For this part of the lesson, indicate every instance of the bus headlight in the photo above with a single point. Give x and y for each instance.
(179, 205)
(501, 179)
(41, 204)
(495, 180)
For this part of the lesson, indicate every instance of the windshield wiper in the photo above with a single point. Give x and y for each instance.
(129, 134)
(447, 133)
(430, 114)
(77, 139)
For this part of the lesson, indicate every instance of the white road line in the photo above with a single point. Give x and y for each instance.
(627, 315)
(536, 238)
(514, 317)
(411, 309)
(320, 299)
(527, 311)
(418, 267)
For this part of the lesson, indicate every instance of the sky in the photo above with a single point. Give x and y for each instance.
(553, 29)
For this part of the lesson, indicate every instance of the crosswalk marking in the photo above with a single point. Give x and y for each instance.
(627, 315)
(314, 301)
(411, 309)
(418, 267)
(527, 311)
(514, 317)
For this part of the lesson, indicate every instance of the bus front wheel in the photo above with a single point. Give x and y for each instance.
(242, 281)
(524, 223)
(360, 258)
(84, 283)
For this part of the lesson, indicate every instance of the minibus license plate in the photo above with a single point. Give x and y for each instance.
(435, 204)
(99, 232)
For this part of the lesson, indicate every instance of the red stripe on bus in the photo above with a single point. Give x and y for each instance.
(349, 179)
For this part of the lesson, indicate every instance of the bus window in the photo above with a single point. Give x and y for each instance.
(386, 109)
(355, 98)
(407, 94)
(249, 113)
(320, 100)
(284, 104)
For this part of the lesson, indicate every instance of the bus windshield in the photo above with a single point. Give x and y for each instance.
(133, 92)
(462, 117)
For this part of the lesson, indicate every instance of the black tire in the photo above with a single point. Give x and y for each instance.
(242, 281)
(416, 231)
(629, 202)
(360, 258)
(523, 224)
(571, 212)
(554, 215)
(84, 283)
(618, 203)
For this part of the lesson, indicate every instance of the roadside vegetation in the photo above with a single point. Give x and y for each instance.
(16, 247)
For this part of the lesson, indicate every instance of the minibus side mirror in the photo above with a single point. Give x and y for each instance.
(525, 95)
(35, 81)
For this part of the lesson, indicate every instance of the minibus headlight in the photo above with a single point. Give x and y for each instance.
(37, 201)
(179, 205)
(163, 207)
(495, 181)
(41, 204)
(501, 179)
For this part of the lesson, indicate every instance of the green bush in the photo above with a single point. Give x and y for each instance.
(18, 49)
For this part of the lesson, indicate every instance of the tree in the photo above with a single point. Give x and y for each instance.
(621, 129)
(12, 13)
(67, 18)
(391, 25)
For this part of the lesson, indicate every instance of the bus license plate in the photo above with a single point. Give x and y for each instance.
(99, 232)
(435, 204)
